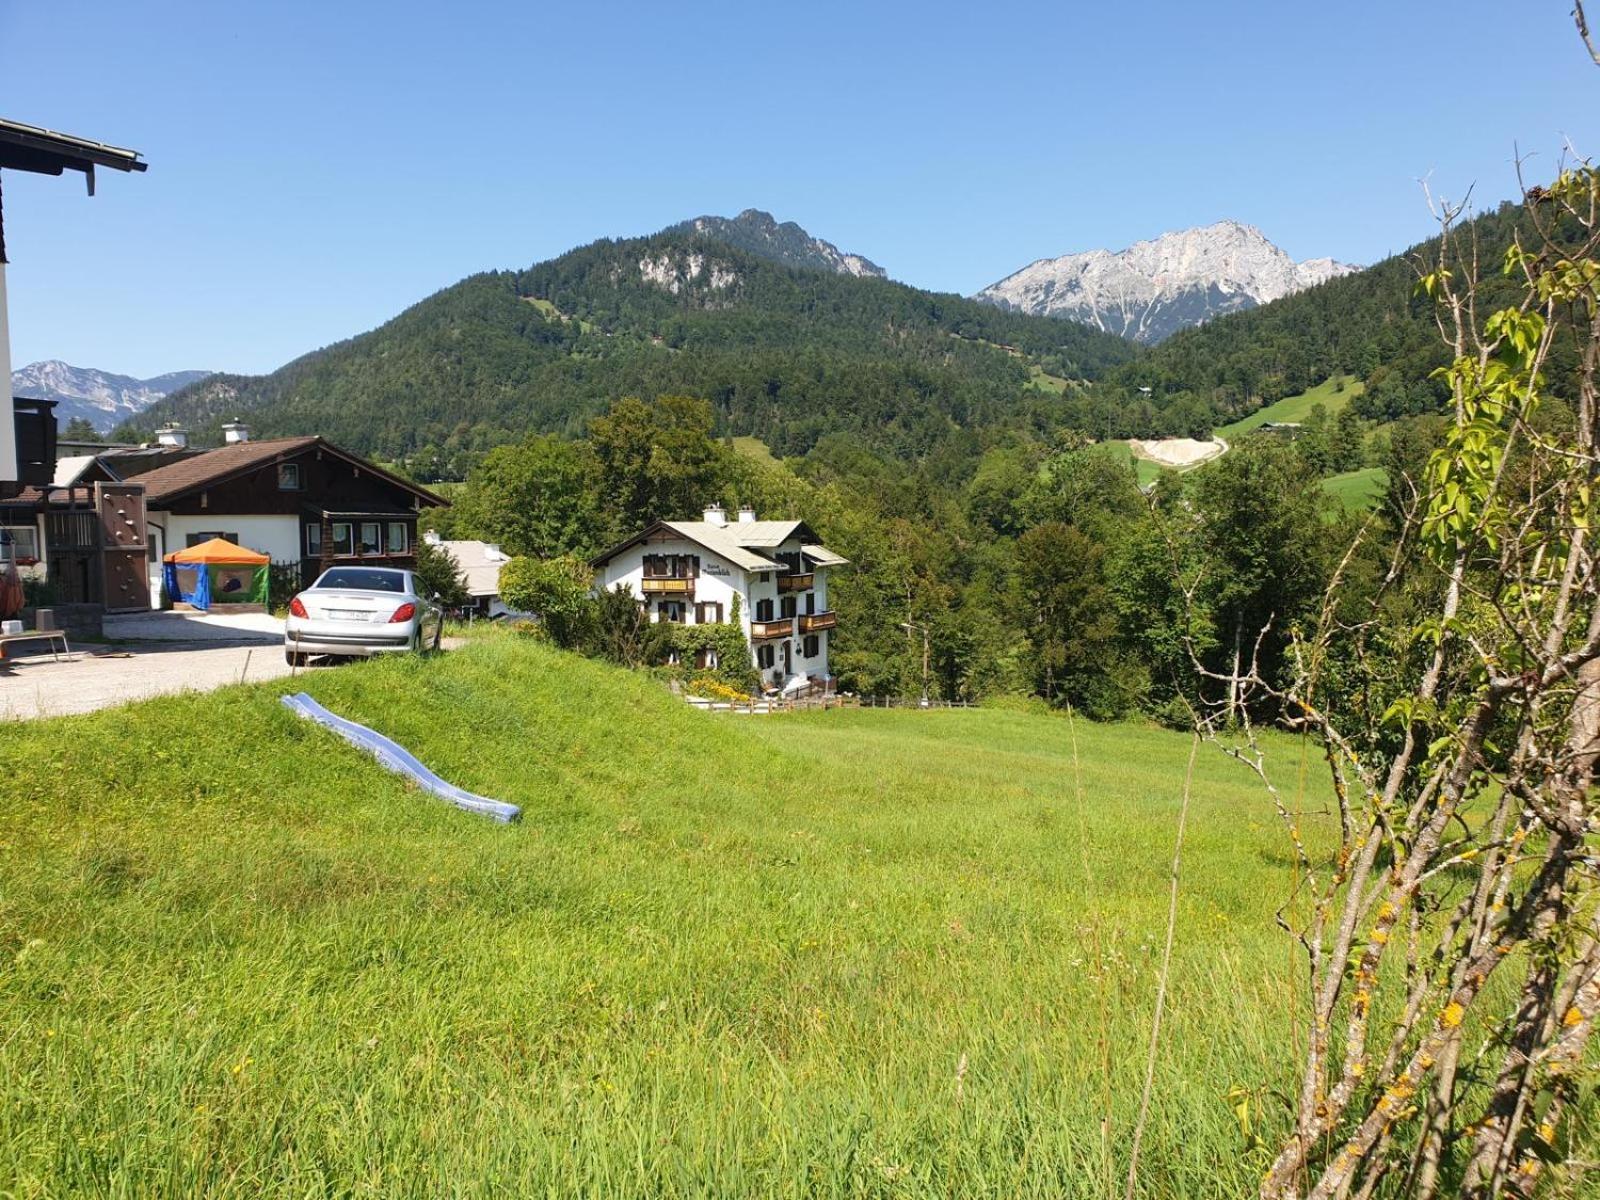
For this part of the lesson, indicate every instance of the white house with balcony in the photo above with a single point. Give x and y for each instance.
(691, 572)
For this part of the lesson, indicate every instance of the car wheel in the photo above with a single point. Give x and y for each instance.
(294, 658)
(438, 635)
(416, 641)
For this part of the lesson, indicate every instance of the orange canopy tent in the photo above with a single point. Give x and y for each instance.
(217, 571)
(218, 550)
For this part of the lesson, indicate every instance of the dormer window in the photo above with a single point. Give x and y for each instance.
(288, 477)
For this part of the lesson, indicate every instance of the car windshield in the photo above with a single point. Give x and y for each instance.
(363, 579)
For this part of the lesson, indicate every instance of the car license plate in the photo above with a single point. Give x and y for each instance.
(348, 614)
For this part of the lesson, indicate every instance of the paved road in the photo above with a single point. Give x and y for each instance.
(155, 654)
(194, 627)
(103, 676)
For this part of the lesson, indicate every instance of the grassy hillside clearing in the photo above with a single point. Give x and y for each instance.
(848, 953)
(755, 448)
(1295, 409)
(1358, 491)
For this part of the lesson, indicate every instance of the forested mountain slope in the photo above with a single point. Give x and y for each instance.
(787, 355)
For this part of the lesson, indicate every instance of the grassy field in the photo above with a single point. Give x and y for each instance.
(1298, 408)
(1042, 380)
(755, 448)
(855, 953)
(1358, 491)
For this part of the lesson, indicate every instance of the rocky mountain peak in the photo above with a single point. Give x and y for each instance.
(760, 233)
(1154, 288)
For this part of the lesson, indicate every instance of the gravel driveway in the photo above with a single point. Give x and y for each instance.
(154, 654)
(104, 676)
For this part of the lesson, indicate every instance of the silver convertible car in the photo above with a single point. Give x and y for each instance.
(360, 611)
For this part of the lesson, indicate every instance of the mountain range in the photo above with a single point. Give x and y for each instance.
(789, 353)
(801, 354)
(99, 397)
(1153, 289)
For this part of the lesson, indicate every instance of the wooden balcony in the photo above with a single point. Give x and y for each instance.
(817, 622)
(667, 585)
(796, 582)
(762, 631)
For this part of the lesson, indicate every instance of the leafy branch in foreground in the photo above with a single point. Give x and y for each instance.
(1452, 936)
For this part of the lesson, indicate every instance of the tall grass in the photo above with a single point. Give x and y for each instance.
(835, 954)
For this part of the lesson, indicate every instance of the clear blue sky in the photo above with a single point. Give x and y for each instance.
(316, 167)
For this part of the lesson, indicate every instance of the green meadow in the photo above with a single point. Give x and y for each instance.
(853, 953)
(1358, 491)
(1333, 394)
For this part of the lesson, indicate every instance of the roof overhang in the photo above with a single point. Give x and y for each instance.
(424, 497)
(666, 529)
(46, 152)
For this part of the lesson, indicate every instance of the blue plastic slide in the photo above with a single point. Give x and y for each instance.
(398, 759)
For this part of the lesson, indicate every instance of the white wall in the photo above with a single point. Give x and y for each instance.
(711, 587)
(8, 423)
(278, 537)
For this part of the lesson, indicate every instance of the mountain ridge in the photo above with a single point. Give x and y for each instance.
(1153, 288)
(760, 233)
(103, 398)
(790, 355)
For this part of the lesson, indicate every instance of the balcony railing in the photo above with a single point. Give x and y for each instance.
(655, 585)
(816, 622)
(796, 582)
(766, 630)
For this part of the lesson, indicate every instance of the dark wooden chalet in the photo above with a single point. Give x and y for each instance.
(299, 499)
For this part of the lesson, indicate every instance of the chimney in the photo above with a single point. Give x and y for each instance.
(235, 431)
(746, 514)
(715, 516)
(173, 436)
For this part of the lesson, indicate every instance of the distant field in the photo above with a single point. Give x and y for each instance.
(549, 309)
(1298, 408)
(838, 954)
(754, 447)
(1358, 491)
(1041, 379)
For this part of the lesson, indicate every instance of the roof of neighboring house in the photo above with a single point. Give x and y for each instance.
(740, 542)
(30, 148)
(70, 470)
(479, 563)
(824, 557)
(211, 467)
(32, 497)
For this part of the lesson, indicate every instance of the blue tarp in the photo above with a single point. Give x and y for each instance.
(397, 758)
(199, 579)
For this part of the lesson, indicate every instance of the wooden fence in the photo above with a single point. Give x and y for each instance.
(754, 707)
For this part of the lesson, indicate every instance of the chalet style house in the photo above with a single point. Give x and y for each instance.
(99, 530)
(691, 572)
(298, 500)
